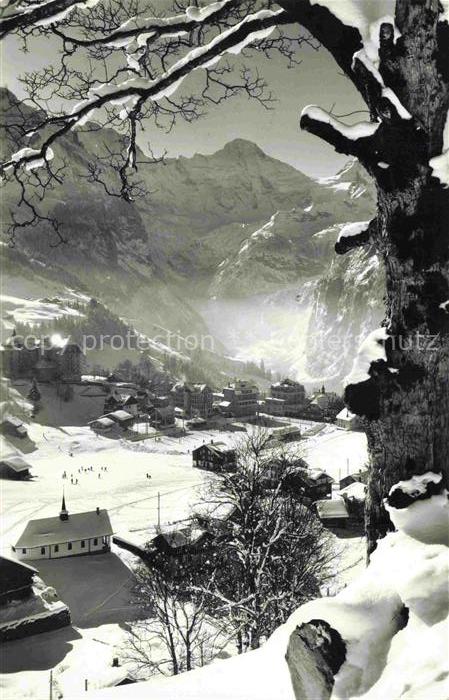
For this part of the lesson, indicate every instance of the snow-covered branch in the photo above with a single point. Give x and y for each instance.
(252, 28)
(353, 140)
(147, 30)
(356, 235)
(39, 14)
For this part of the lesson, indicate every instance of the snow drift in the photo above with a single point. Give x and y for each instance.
(389, 626)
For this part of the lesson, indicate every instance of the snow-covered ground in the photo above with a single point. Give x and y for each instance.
(124, 489)
(85, 650)
(388, 655)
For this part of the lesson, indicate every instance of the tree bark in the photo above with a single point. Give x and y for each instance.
(406, 398)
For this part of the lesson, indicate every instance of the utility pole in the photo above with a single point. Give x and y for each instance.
(51, 684)
(158, 510)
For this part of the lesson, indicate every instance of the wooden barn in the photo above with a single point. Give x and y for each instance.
(14, 467)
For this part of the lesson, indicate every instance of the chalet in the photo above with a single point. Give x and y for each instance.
(14, 426)
(121, 417)
(113, 402)
(347, 420)
(355, 492)
(315, 484)
(16, 580)
(214, 456)
(65, 535)
(332, 512)
(131, 404)
(180, 544)
(14, 467)
(360, 476)
(104, 425)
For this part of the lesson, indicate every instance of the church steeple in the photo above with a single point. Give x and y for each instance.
(64, 514)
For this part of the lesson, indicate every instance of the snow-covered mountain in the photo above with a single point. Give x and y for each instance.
(229, 226)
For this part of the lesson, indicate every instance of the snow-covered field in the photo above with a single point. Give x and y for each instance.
(124, 489)
(86, 649)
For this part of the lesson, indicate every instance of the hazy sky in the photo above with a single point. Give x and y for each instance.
(316, 81)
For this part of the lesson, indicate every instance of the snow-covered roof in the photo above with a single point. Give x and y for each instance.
(119, 415)
(317, 474)
(12, 420)
(16, 462)
(104, 422)
(218, 511)
(345, 414)
(9, 561)
(332, 508)
(80, 526)
(182, 537)
(357, 491)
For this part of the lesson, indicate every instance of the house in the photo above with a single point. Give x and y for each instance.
(131, 404)
(14, 426)
(104, 425)
(347, 420)
(354, 495)
(360, 476)
(163, 417)
(332, 512)
(14, 467)
(65, 535)
(121, 417)
(240, 399)
(214, 456)
(355, 492)
(180, 544)
(198, 400)
(288, 433)
(16, 580)
(287, 398)
(314, 484)
(218, 517)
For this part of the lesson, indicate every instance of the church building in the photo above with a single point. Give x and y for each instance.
(65, 535)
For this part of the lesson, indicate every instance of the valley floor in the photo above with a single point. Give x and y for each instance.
(98, 589)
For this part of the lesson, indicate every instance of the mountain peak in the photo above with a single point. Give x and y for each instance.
(242, 146)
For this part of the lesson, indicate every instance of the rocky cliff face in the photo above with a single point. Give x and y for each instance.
(347, 305)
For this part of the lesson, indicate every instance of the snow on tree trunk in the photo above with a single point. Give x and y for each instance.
(404, 387)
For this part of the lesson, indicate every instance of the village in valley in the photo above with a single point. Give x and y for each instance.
(121, 470)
